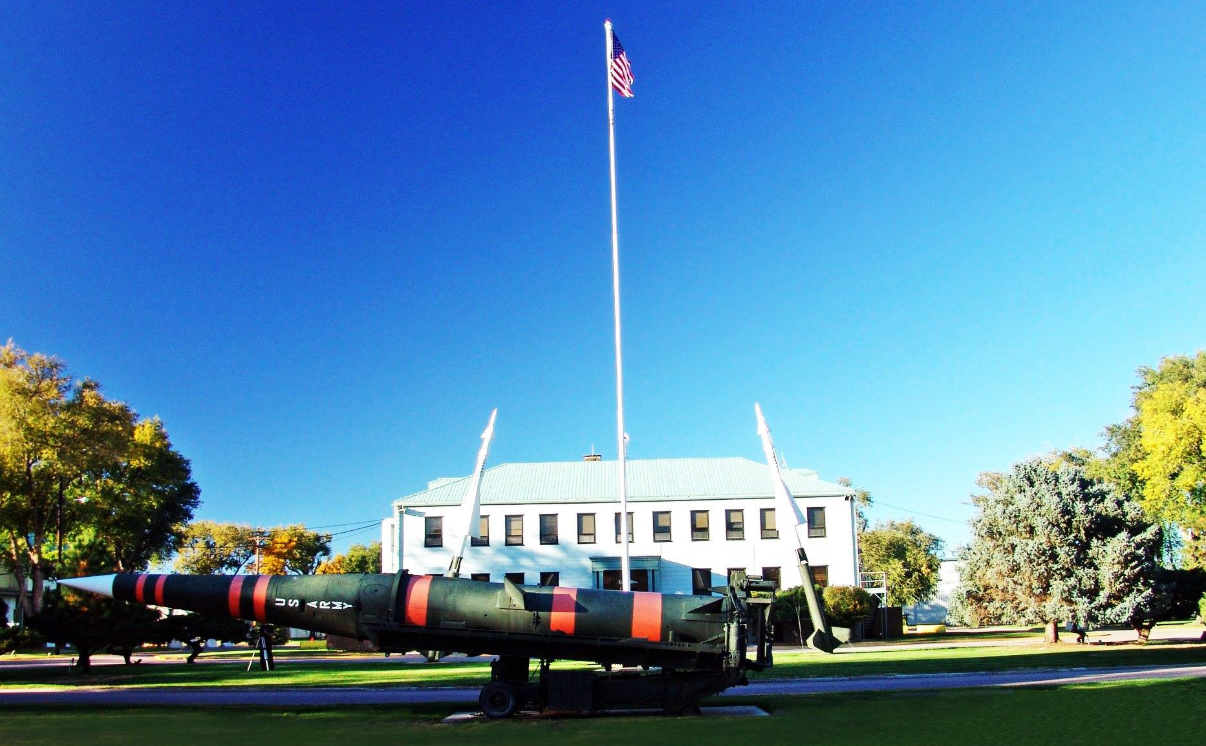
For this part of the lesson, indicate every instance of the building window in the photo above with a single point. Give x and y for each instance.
(548, 528)
(816, 523)
(550, 579)
(586, 528)
(642, 580)
(736, 574)
(484, 530)
(734, 525)
(769, 528)
(514, 577)
(772, 573)
(661, 525)
(514, 530)
(699, 525)
(433, 531)
(481, 577)
(701, 581)
(820, 575)
(630, 529)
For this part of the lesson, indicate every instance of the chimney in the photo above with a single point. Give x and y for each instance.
(592, 457)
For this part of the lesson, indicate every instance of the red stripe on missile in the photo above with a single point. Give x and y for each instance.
(417, 589)
(157, 592)
(260, 598)
(140, 589)
(564, 613)
(232, 596)
(647, 615)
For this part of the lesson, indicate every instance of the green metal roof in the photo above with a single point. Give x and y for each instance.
(648, 480)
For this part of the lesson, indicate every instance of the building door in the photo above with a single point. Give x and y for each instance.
(642, 580)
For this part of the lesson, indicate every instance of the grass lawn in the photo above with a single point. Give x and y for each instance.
(788, 664)
(1123, 713)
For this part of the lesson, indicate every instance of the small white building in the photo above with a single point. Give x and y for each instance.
(693, 521)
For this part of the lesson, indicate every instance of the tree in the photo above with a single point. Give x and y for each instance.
(90, 623)
(359, 559)
(846, 606)
(1158, 455)
(862, 501)
(1052, 545)
(294, 550)
(70, 460)
(789, 605)
(908, 555)
(195, 630)
(211, 548)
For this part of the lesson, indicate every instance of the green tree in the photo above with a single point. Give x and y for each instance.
(358, 559)
(195, 630)
(293, 550)
(908, 555)
(1052, 545)
(862, 501)
(212, 548)
(1158, 455)
(71, 459)
(846, 606)
(90, 623)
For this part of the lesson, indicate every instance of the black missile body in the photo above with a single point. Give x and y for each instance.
(695, 645)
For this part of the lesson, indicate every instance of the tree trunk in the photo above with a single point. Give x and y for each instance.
(197, 646)
(35, 575)
(84, 663)
(1051, 634)
(23, 599)
(800, 628)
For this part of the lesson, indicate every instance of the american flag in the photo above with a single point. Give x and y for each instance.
(621, 71)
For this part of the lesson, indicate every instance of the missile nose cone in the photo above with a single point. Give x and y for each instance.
(762, 428)
(101, 585)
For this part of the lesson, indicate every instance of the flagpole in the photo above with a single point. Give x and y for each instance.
(621, 470)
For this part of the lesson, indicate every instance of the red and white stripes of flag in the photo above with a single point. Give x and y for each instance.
(620, 71)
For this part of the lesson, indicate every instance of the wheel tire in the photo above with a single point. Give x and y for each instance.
(497, 700)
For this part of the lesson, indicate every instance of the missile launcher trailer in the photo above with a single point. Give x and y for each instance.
(679, 649)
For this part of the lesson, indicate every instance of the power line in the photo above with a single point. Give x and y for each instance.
(875, 501)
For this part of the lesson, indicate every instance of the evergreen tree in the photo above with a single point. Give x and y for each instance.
(1052, 545)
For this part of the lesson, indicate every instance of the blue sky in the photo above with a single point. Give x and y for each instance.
(322, 243)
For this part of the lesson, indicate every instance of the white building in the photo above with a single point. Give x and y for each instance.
(693, 521)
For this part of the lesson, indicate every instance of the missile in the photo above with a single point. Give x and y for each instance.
(822, 638)
(697, 644)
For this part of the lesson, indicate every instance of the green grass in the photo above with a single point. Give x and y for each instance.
(788, 664)
(1168, 711)
(902, 660)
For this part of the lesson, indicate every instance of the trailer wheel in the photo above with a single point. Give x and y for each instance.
(497, 700)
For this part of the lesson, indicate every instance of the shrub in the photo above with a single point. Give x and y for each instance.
(1202, 609)
(846, 605)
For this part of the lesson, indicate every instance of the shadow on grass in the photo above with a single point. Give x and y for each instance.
(1123, 713)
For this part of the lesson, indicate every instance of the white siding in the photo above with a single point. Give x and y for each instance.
(678, 556)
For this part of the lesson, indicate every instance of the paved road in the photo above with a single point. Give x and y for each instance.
(334, 696)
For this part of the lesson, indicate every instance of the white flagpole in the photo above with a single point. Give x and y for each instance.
(621, 470)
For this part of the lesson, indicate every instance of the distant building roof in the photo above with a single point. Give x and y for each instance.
(648, 480)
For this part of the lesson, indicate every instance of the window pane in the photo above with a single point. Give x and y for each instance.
(483, 577)
(514, 530)
(548, 528)
(433, 531)
(771, 573)
(736, 574)
(630, 528)
(769, 531)
(586, 528)
(816, 523)
(701, 581)
(661, 525)
(820, 575)
(514, 577)
(485, 532)
(699, 525)
(734, 524)
(550, 579)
